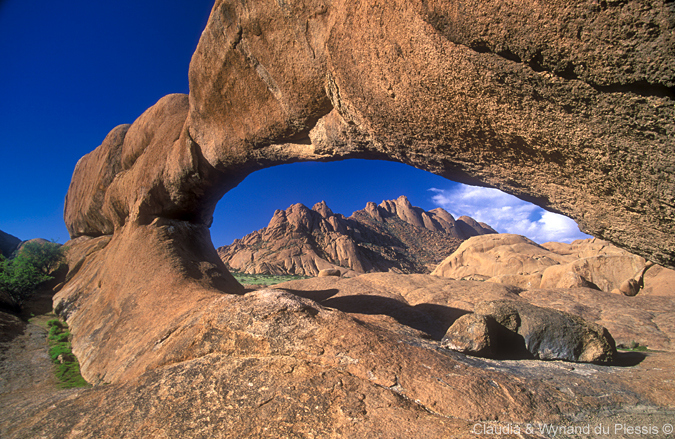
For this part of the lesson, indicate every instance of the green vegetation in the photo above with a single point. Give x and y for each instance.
(265, 279)
(33, 265)
(633, 346)
(61, 353)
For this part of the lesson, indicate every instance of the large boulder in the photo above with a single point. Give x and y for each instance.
(515, 329)
(589, 263)
(546, 334)
(497, 255)
(605, 273)
(330, 272)
(472, 334)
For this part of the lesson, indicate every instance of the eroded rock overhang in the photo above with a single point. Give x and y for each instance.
(565, 104)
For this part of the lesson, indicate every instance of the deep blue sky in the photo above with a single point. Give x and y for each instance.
(71, 71)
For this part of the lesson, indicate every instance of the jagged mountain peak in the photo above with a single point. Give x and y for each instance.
(391, 236)
(323, 209)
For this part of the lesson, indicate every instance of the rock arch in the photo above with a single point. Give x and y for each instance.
(545, 103)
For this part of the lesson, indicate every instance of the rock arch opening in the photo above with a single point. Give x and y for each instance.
(420, 83)
(346, 186)
(349, 215)
(328, 83)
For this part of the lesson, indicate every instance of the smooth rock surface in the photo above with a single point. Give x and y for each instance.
(516, 260)
(364, 350)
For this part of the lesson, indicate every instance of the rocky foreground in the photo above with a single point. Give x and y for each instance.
(360, 357)
(392, 236)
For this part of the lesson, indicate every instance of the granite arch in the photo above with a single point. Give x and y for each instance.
(545, 104)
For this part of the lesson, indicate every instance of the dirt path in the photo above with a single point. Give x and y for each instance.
(27, 381)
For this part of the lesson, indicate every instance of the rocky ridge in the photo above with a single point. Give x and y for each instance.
(589, 263)
(8, 244)
(392, 236)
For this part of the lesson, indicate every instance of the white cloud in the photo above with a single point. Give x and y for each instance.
(506, 213)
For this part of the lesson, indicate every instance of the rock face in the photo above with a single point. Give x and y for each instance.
(8, 244)
(516, 260)
(394, 236)
(568, 105)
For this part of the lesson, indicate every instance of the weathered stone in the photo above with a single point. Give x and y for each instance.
(551, 335)
(601, 272)
(497, 255)
(421, 81)
(356, 349)
(518, 261)
(470, 335)
(10, 326)
(566, 105)
(409, 87)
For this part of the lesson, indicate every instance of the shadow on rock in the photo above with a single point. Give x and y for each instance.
(317, 295)
(628, 359)
(10, 327)
(444, 315)
(429, 318)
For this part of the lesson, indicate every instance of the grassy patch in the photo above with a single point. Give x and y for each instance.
(265, 279)
(61, 353)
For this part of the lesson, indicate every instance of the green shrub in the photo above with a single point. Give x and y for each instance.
(56, 322)
(265, 279)
(632, 346)
(32, 266)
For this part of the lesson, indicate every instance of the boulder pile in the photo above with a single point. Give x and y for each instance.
(589, 263)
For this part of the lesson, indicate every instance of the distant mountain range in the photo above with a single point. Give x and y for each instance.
(392, 236)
